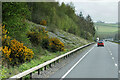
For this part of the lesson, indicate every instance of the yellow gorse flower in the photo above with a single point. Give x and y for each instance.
(0, 48)
(56, 44)
(14, 50)
(17, 50)
(6, 51)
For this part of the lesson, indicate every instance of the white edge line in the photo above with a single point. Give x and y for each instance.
(74, 65)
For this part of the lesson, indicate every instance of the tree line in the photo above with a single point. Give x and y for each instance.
(60, 16)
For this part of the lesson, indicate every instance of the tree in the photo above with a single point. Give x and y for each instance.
(14, 15)
(81, 15)
(90, 24)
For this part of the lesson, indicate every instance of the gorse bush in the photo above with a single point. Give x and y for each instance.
(43, 22)
(14, 52)
(38, 36)
(56, 45)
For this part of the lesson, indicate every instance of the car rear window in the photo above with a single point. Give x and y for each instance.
(99, 42)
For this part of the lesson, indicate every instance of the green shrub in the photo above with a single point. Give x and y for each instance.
(45, 42)
(3, 73)
(14, 17)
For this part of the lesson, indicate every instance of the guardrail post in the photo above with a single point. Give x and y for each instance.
(38, 71)
(58, 61)
(66, 56)
(21, 78)
(54, 62)
(45, 67)
(30, 75)
(50, 65)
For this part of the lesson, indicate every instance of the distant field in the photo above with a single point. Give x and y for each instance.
(106, 28)
(107, 24)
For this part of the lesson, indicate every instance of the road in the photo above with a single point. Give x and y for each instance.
(95, 62)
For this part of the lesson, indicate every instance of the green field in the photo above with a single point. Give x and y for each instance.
(105, 27)
(106, 30)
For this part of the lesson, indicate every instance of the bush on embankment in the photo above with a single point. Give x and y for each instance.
(38, 36)
(13, 51)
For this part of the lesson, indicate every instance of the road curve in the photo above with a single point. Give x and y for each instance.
(95, 62)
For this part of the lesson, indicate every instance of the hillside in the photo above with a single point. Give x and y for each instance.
(70, 40)
(41, 55)
(33, 33)
(106, 30)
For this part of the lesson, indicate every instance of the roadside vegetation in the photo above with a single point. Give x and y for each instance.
(33, 33)
(118, 42)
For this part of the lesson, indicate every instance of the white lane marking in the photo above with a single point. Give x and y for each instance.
(112, 57)
(111, 53)
(116, 64)
(74, 65)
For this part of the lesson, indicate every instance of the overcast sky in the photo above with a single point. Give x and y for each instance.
(104, 10)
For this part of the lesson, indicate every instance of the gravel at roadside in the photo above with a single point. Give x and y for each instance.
(57, 66)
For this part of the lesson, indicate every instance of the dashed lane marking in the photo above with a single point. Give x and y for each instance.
(112, 57)
(75, 64)
(116, 64)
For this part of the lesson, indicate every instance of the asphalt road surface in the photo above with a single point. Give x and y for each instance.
(95, 62)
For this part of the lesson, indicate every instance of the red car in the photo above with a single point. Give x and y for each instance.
(100, 44)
